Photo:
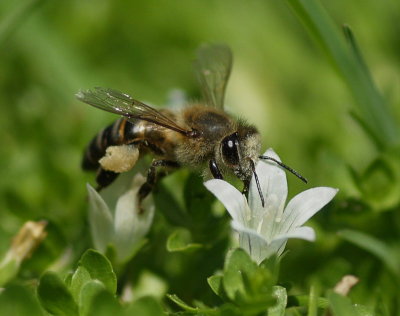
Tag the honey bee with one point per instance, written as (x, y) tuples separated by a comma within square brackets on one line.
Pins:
[(199, 136)]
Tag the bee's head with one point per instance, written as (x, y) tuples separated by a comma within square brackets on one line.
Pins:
[(240, 153), (240, 150)]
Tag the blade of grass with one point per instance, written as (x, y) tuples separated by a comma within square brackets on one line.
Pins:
[(347, 60)]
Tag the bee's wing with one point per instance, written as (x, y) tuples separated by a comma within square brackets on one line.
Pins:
[(120, 103), (213, 66)]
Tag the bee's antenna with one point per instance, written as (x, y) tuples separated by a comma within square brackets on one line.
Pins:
[(298, 175), (257, 182)]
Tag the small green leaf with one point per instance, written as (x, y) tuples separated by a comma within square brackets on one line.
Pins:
[(68, 278), (279, 308), (99, 268), (79, 279), (145, 306), (180, 240), (88, 292), (181, 303), (55, 297), (19, 301), (216, 284), (238, 263), (104, 304)]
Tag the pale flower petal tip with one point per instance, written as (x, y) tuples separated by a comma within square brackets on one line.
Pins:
[(233, 200), (271, 153)]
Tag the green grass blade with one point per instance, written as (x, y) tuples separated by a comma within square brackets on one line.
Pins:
[(371, 105)]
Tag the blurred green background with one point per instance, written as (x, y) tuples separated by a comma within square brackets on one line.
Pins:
[(281, 81)]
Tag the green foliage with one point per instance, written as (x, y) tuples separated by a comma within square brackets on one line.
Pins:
[(55, 296), (19, 301), (345, 136)]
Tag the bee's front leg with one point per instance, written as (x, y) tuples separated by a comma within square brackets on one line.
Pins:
[(216, 173), (153, 177)]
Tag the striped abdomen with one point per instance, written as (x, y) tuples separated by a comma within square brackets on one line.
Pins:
[(118, 133)]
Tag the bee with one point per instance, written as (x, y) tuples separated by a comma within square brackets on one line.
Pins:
[(199, 136)]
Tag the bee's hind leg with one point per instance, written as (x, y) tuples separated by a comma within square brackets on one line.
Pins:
[(104, 178), (153, 177)]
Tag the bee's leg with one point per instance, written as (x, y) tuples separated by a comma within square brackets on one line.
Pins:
[(153, 177), (216, 173), (104, 178)]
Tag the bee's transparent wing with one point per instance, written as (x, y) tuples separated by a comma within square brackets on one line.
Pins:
[(213, 67), (120, 103)]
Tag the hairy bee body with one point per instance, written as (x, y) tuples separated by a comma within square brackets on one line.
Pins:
[(211, 124), (199, 136)]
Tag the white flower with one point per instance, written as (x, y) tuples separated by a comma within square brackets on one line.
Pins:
[(124, 230), (264, 231)]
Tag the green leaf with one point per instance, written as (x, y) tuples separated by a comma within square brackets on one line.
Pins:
[(104, 304), (272, 264), (55, 297), (181, 240), (279, 308), (99, 268), (237, 264), (89, 291), (182, 304), (216, 284), (79, 279), (372, 107), (145, 306), (17, 300), (375, 247), (342, 306)]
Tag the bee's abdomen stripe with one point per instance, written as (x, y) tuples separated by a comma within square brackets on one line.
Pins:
[(96, 149)]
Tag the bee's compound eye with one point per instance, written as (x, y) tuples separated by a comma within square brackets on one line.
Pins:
[(230, 149)]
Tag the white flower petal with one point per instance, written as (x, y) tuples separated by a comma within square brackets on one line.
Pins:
[(304, 205), (274, 188), (253, 243), (131, 225), (233, 200), (304, 232), (100, 220)]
